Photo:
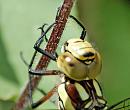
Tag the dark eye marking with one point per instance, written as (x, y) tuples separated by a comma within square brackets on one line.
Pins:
[(71, 64), (88, 54), (64, 56)]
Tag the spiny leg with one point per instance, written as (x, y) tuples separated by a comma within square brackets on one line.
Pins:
[(51, 56), (22, 58), (42, 31), (40, 40), (44, 98), (32, 60), (30, 76), (48, 95), (38, 49), (113, 107), (44, 72), (31, 63), (44, 93), (34, 55), (57, 14), (83, 34), (41, 91)]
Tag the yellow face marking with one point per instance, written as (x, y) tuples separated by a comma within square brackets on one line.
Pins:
[(88, 62), (80, 49)]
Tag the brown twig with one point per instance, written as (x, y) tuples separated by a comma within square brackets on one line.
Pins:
[(44, 61)]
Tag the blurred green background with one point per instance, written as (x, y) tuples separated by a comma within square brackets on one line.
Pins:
[(107, 24)]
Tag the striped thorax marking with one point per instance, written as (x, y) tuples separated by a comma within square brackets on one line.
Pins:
[(80, 95)]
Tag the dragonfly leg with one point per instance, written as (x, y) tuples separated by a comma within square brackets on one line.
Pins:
[(83, 34), (44, 98)]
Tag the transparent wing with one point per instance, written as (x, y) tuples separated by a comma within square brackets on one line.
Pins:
[(121, 105)]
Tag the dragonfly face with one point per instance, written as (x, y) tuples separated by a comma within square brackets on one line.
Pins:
[(79, 60)]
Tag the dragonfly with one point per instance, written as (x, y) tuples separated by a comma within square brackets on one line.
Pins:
[(79, 63)]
